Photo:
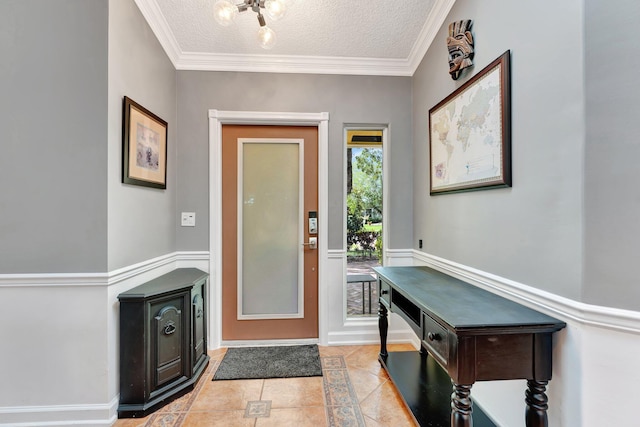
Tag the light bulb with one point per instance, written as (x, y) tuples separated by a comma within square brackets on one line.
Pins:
[(225, 12), (266, 37), (276, 9)]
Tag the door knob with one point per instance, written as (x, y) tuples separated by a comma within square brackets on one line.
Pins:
[(313, 243)]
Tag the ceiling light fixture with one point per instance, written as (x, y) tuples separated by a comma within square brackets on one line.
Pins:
[(225, 12)]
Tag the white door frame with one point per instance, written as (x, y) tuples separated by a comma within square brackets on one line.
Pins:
[(217, 118)]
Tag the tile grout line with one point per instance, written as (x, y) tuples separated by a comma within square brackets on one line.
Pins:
[(255, 420), (385, 380), (207, 376)]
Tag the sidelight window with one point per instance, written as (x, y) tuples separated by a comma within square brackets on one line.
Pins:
[(364, 217)]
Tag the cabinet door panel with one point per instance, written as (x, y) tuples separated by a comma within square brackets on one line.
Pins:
[(198, 328), (168, 342)]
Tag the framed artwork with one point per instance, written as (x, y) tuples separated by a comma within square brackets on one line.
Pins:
[(470, 133), (144, 147)]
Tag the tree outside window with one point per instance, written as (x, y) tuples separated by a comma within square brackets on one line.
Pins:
[(364, 202)]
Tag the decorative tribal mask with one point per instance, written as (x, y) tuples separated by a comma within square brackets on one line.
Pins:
[(460, 46)]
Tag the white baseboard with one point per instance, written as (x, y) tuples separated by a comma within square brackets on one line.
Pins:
[(369, 337), (60, 415)]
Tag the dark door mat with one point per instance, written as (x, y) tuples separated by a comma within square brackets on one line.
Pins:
[(269, 362)]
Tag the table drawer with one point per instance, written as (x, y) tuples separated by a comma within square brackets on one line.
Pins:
[(436, 338), (385, 292)]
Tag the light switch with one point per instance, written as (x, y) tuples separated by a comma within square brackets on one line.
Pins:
[(188, 219)]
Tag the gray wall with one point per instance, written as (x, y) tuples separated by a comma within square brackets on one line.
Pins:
[(348, 99), (612, 194), (533, 232), (142, 220), (53, 132)]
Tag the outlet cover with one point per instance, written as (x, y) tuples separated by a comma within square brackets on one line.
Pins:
[(188, 219)]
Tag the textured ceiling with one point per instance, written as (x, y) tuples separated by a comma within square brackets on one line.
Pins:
[(315, 36)]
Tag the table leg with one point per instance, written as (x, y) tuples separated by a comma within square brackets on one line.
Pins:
[(536, 412), (461, 406), (383, 326)]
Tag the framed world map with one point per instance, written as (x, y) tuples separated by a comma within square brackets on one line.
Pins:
[(470, 133)]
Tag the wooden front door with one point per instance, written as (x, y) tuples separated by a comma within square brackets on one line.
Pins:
[(269, 269)]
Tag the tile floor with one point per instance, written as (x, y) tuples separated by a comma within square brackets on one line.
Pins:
[(353, 391)]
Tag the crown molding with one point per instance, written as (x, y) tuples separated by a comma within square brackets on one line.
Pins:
[(439, 13), (160, 27), (292, 64), (198, 61)]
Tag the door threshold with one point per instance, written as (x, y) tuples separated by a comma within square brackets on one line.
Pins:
[(268, 343)]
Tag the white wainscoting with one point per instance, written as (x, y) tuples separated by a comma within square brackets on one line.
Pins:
[(61, 355), (62, 321), (358, 331), (595, 356)]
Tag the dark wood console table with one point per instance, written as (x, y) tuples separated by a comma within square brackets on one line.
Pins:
[(467, 335)]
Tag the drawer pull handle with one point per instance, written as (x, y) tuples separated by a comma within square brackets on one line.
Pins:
[(169, 328), (385, 291), (434, 337)]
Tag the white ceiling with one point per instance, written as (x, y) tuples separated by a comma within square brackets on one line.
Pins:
[(370, 37)]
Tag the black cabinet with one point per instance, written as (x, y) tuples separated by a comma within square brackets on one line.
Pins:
[(163, 344)]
